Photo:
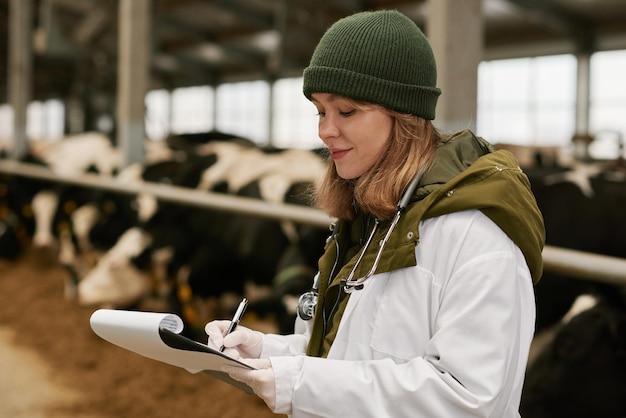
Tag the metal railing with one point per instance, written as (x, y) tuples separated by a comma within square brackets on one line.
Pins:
[(183, 195), (583, 265), (578, 264)]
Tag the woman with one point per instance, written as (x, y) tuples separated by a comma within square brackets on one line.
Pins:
[(432, 314)]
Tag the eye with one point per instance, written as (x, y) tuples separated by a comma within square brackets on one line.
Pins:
[(347, 113)]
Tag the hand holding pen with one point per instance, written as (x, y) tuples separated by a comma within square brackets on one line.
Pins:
[(245, 342), (236, 318)]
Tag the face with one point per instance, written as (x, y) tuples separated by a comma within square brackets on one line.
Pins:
[(356, 138)]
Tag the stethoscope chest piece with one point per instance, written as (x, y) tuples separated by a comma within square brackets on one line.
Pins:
[(308, 300), (306, 305)]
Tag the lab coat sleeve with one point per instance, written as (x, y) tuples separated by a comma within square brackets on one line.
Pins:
[(472, 366)]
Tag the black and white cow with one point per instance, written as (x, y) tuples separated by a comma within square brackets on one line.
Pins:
[(582, 210), (38, 201), (22, 200), (122, 276), (39, 210), (118, 249), (204, 253), (16, 224), (579, 373), (76, 223), (581, 204), (48, 207)]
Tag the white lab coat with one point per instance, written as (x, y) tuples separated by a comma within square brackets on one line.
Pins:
[(446, 338)]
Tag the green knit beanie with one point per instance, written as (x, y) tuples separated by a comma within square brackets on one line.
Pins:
[(379, 57)]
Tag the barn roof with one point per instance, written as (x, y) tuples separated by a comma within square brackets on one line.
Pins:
[(208, 42)]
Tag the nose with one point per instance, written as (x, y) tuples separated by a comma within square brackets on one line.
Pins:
[(327, 128)]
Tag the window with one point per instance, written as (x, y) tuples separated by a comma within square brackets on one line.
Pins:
[(608, 103), (527, 101), (295, 120), (157, 119), (243, 109), (192, 110)]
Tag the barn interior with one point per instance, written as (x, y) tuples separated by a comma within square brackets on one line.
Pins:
[(99, 61)]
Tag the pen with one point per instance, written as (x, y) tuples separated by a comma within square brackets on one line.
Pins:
[(236, 318)]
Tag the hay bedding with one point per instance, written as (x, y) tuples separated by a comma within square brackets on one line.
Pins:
[(77, 374)]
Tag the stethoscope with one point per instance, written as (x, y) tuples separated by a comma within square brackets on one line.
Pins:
[(308, 300)]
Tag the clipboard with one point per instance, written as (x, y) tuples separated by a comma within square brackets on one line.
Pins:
[(157, 336)]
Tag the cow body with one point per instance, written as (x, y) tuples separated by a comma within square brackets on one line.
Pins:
[(583, 210), (580, 373), (200, 255)]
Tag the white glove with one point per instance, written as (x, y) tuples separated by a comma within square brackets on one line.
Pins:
[(261, 381), (242, 342)]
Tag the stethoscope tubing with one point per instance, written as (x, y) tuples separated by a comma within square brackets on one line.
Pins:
[(307, 301)]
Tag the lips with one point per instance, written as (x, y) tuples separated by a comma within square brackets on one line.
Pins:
[(338, 154)]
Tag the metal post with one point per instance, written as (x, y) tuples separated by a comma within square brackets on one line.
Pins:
[(20, 70), (134, 76)]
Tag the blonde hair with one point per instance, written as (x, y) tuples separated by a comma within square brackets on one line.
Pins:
[(412, 145)]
